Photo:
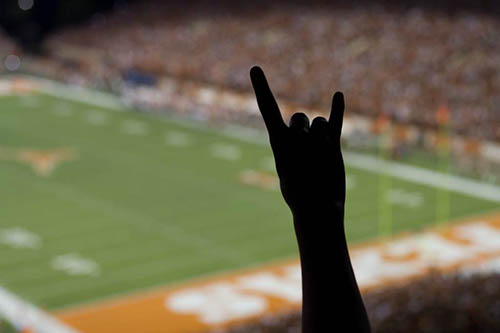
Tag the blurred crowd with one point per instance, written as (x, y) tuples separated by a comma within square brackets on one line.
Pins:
[(404, 63), (7, 47), (454, 304)]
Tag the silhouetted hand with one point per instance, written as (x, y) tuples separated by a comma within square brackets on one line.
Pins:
[(308, 157), (312, 179)]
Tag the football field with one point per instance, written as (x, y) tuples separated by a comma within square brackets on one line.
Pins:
[(100, 201)]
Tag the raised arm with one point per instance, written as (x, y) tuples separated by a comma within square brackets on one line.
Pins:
[(312, 179)]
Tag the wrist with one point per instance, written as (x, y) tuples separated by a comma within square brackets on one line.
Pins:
[(321, 233)]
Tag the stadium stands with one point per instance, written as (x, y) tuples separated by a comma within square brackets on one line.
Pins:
[(5, 42), (404, 63), (7, 46)]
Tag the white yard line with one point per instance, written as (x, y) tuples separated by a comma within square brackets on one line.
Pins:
[(26, 316), (78, 94), (423, 176), (418, 175)]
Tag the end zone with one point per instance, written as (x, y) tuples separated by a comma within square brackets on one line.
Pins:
[(468, 246)]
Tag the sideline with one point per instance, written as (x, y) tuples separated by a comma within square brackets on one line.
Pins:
[(28, 317), (423, 176)]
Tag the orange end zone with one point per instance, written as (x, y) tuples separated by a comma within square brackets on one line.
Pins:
[(229, 299)]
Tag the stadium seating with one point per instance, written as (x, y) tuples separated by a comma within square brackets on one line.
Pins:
[(404, 63)]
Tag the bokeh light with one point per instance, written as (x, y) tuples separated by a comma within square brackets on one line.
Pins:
[(25, 4), (12, 62)]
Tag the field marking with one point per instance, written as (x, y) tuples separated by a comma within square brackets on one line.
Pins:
[(423, 176), (97, 118), (134, 127), (229, 152), (27, 317), (19, 238), (76, 94), (43, 162), (216, 304), (178, 139), (74, 264), (262, 180)]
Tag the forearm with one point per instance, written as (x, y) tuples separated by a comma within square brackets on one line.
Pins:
[(312, 175), (330, 292)]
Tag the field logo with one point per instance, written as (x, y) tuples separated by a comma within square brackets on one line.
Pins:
[(43, 162), (263, 180)]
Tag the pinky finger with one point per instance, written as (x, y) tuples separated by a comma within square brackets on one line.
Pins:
[(337, 114)]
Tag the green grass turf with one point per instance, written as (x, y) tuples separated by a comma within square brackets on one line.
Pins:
[(6, 327), (148, 213)]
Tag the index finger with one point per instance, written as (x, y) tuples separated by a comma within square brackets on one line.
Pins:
[(266, 102)]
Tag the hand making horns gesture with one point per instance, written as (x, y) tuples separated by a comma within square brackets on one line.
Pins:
[(308, 157), (312, 179)]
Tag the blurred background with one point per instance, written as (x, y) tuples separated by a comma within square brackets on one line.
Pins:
[(133, 155)]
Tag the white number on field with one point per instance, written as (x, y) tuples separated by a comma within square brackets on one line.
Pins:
[(19, 238), (74, 264)]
